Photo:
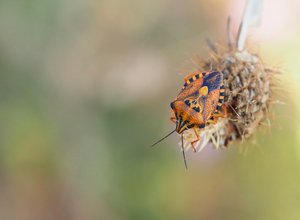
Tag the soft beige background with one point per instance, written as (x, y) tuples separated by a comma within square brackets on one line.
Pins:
[(85, 87)]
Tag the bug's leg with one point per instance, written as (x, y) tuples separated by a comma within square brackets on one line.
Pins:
[(195, 141), (222, 114), (225, 113), (218, 115), (173, 118), (212, 120)]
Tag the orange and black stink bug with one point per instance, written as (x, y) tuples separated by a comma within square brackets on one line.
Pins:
[(199, 103)]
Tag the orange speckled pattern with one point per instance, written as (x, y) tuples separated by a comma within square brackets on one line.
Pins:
[(192, 109)]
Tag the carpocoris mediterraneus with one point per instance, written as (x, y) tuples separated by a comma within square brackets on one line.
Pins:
[(199, 103)]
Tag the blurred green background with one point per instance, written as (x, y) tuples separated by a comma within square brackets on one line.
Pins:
[(85, 88)]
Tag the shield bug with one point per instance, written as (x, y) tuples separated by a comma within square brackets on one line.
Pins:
[(199, 103)]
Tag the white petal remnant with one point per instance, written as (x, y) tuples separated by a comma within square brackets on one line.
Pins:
[(252, 17)]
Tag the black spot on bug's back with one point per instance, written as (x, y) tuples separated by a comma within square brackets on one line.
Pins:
[(194, 102), (187, 102), (197, 109)]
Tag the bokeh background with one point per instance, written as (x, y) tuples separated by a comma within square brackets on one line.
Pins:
[(85, 87)]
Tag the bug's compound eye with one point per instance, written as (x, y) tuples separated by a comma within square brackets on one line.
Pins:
[(172, 105)]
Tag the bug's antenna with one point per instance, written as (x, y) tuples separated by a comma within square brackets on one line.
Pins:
[(183, 153), (163, 138)]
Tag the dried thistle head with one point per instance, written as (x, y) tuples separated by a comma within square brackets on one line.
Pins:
[(248, 91)]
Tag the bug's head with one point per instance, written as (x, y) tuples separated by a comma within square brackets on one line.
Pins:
[(185, 116), (190, 111)]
